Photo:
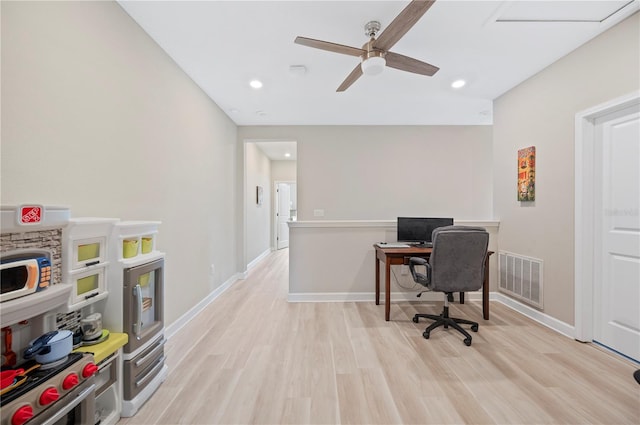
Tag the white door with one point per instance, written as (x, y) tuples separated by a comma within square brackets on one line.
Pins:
[(282, 215), (617, 232)]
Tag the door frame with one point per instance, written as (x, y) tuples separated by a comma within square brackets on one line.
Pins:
[(585, 156), (275, 210)]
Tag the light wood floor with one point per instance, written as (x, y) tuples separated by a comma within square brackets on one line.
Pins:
[(254, 358)]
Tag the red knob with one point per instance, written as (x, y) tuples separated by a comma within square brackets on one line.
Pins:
[(89, 370), (22, 415), (70, 381), (48, 396)]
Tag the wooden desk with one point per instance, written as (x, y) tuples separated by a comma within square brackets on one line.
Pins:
[(398, 256)]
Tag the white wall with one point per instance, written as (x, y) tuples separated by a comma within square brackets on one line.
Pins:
[(541, 112), (258, 173), (97, 117)]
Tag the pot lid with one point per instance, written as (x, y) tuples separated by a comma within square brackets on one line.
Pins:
[(62, 334)]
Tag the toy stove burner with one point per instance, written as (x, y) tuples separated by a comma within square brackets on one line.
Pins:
[(52, 365), (39, 376), (51, 388)]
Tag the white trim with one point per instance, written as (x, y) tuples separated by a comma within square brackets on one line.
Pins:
[(379, 223), (584, 214), (533, 314), (276, 209), (172, 329), (259, 258)]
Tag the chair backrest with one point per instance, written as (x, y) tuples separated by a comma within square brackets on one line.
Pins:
[(458, 257)]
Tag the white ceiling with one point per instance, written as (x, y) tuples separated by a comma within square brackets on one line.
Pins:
[(279, 150), (494, 45)]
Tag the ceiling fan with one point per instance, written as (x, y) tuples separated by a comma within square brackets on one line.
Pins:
[(375, 53)]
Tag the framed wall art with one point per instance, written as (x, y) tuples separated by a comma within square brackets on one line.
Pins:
[(527, 174)]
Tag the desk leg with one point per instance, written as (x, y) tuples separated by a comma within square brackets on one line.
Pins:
[(485, 291), (461, 297), (377, 280), (387, 289)]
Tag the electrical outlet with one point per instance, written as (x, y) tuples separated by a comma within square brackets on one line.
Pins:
[(212, 270), (318, 213), (404, 270)]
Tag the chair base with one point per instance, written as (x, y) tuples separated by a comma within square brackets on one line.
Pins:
[(446, 321)]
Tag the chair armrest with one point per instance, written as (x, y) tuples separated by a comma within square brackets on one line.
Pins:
[(422, 279)]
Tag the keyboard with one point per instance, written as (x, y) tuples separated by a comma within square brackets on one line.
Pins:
[(392, 245)]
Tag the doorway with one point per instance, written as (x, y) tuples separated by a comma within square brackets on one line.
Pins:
[(285, 211), (264, 162), (607, 209)]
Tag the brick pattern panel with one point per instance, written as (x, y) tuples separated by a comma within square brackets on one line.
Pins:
[(50, 240)]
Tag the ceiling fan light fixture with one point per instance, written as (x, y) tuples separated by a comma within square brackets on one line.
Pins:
[(373, 65)]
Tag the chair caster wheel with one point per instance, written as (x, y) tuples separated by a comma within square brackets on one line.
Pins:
[(425, 334), (467, 341), (415, 319), (474, 328)]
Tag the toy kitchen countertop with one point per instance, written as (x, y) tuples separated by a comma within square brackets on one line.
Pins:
[(104, 349)]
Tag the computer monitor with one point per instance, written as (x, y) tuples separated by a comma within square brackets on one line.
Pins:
[(419, 229)]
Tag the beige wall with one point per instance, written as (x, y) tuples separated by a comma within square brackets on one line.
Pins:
[(378, 173), (283, 171), (541, 112), (97, 117), (360, 173), (258, 173)]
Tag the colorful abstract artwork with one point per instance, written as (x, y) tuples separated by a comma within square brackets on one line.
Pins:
[(527, 174)]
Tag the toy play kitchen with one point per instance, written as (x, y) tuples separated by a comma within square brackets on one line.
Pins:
[(135, 306), (62, 362)]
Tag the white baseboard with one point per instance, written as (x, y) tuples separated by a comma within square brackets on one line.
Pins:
[(259, 258), (193, 312), (189, 315), (531, 313)]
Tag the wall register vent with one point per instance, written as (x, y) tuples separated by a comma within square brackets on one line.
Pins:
[(521, 277)]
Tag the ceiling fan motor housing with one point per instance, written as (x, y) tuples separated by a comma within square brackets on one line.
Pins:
[(371, 28)]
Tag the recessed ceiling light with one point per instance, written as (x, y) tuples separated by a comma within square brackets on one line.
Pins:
[(234, 110), (458, 84), (261, 113), (256, 84), (287, 155)]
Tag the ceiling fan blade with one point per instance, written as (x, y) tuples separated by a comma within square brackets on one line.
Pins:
[(332, 47), (405, 63), (351, 78), (402, 23)]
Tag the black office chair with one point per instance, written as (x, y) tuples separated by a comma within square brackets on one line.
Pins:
[(456, 264)]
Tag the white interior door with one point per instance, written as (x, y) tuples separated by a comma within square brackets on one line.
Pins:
[(282, 215), (617, 232)]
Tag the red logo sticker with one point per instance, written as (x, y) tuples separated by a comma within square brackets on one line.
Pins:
[(30, 214)]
